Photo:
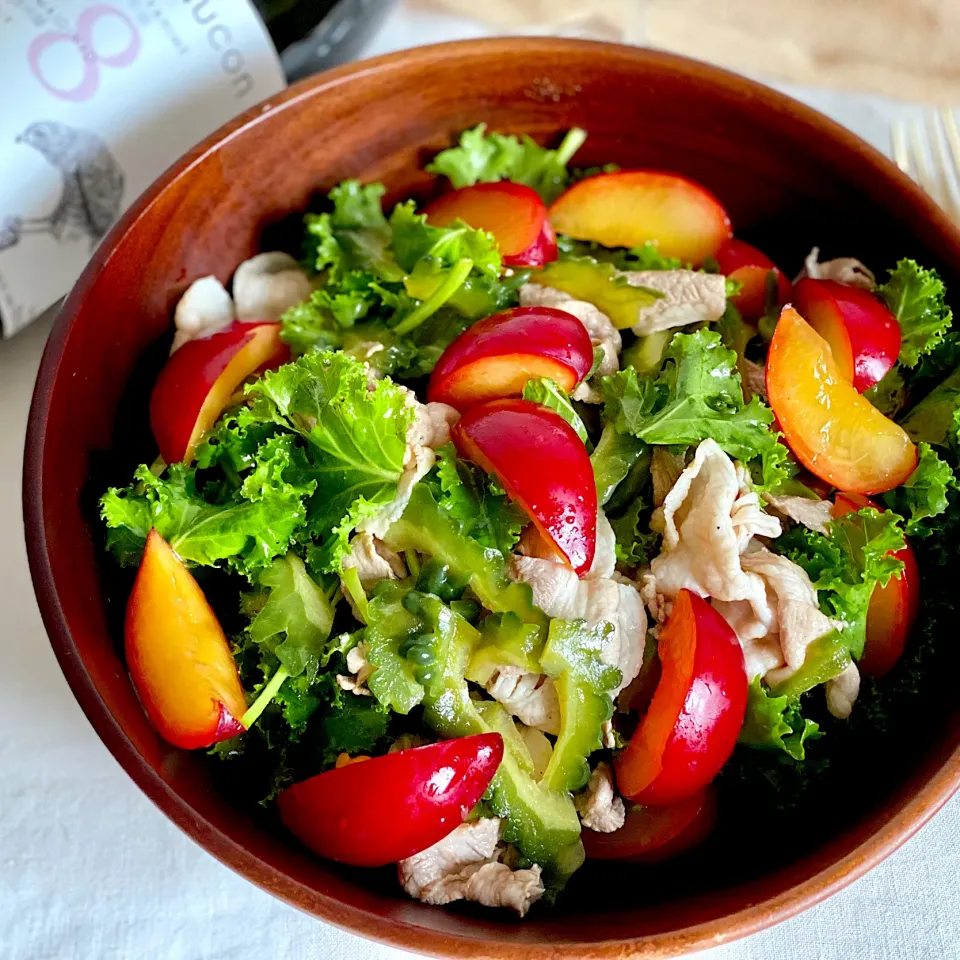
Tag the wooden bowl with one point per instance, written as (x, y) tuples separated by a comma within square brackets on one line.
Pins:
[(789, 177)]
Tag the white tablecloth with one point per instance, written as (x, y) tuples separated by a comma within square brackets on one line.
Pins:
[(90, 870)]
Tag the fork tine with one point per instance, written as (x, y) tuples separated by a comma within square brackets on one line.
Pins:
[(952, 132), (943, 193), (898, 137), (920, 149), (951, 170), (921, 160)]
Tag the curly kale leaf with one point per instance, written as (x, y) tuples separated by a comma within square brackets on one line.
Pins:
[(846, 565), (697, 395), (915, 296), (482, 157)]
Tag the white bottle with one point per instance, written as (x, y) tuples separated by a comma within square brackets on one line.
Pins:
[(96, 100)]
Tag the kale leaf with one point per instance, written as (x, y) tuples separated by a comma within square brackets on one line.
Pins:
[(697, 395), (294, 619), (466, 495), (915, 296), (545, 391), (246, 530), (482, 157), (923, 495), (776, 723), (846, 565), (356, 440)]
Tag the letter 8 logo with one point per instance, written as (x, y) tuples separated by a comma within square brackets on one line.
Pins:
[(83, 39)]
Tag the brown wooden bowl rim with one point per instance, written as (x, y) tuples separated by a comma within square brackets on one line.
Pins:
[(897, 828)]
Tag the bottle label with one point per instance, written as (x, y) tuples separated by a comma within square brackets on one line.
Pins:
[(96, 101)]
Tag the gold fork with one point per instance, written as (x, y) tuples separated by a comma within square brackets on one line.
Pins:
[(929, 151)]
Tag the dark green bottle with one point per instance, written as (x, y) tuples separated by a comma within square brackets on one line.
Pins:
[(311, 35)]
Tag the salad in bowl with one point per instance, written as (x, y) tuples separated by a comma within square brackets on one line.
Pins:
[(492, 536)]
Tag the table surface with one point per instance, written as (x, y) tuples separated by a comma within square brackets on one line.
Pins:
[(91, 870)]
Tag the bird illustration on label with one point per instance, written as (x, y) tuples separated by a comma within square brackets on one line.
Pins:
[(92, 186)]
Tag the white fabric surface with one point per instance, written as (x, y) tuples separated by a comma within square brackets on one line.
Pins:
[(91, 870)]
